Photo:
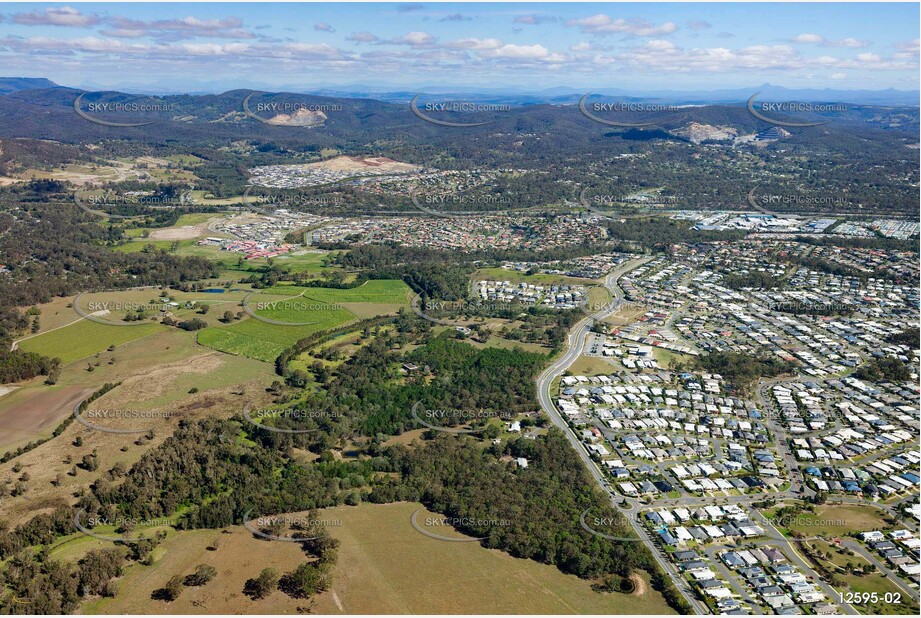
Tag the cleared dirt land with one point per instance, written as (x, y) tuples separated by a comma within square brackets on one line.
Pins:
[(33, 412), (384, 567), (184, 232), (348, 164)]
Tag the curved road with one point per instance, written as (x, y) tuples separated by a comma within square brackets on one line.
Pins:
[(576, 342)]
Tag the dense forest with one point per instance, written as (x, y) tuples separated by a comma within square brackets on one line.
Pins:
[(370, 396)]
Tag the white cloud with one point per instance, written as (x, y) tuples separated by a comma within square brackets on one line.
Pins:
[(177, 29), (530, 53), (849, 42), (660, 45), (605, 24), (534, 19), (414, 39), (362, 37), (476, 44), (808, 38), (817, 39), (63, 16), (908, 50)]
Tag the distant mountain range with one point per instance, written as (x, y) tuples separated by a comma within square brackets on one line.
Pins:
[(32, 109), (15, 84), (564, 95), (557, 95)]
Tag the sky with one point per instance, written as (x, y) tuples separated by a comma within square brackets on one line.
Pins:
[(212, 47)]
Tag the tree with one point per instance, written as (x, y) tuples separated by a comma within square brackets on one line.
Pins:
[(203, 574), (262, 586), (171, 591), (90, 462), (193, 324), (886, 368), (305, 581)]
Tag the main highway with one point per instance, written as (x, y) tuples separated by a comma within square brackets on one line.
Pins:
[(576, 342)]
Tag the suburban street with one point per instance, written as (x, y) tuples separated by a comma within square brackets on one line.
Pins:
[(576, 343), (798, 490)]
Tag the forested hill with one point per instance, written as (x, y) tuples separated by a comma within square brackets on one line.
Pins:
[(48, 113), (15, 84)]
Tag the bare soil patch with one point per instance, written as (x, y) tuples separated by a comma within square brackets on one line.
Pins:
[(33, 412)]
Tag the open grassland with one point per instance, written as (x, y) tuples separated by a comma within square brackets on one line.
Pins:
[(298, 309), (407, 574), (624, 316), (591, 366), (832, 520), (84, 338), (255, 339), (188, 227), (63, 334), (384, 567), (167, 346), (117, 170), (495, 340), (310, 261), (881, 585), (195, 218), (386, 291), (346, 346), (510, 344), (503, 274), (54, 314), (598, 296), (667, 358), (141, 244), (164, 386), (120, 303), (325, 307)]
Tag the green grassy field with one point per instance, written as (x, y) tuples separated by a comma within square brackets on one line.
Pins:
[(386, 291), (310, 262), (502, 274), (667, 358), (136, 246), (881, 585), (184, 159), (258, 340), (263, 341), (297, 309), (86, 338)]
